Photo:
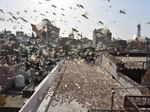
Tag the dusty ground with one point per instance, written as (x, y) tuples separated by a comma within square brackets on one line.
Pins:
[(85, 86)]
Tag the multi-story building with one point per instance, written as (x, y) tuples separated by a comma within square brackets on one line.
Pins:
[(101, 37), (46, 31)]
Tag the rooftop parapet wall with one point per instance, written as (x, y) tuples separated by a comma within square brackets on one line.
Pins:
[(34, 102)]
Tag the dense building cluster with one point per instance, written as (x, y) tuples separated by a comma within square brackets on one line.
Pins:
[(32, 57)]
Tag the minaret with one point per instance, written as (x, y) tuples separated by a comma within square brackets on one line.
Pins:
[(138, 30)]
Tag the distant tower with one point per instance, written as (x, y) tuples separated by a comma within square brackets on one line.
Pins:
[(94, 38), (138, 30)]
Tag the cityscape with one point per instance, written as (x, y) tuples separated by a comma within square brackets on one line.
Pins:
[(46, 69)]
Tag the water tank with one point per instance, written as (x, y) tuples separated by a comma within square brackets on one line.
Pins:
[(20, 81)]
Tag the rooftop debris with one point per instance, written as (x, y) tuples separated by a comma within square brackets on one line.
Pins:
[(87, 85)]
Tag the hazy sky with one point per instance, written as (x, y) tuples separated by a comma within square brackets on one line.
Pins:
[(123, 26)]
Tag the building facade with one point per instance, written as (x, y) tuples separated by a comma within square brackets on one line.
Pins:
[(101, 37), (46, 31)]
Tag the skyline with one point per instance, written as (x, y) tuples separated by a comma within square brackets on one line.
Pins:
[(123, 26)]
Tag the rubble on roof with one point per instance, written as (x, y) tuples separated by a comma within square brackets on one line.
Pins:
[(87, 85)]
